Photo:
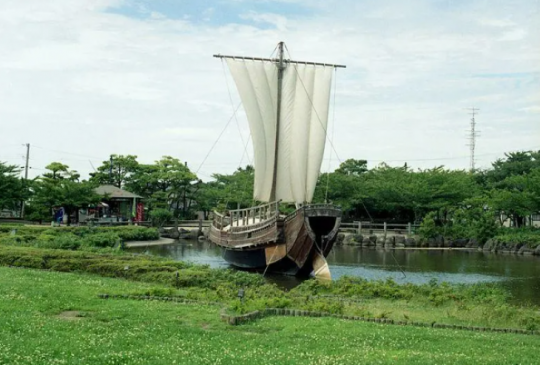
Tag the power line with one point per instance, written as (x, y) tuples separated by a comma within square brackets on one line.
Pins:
[(67, 152)]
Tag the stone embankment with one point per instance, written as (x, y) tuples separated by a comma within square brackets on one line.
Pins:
[(391, 241)]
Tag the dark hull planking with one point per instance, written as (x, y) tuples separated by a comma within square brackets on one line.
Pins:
[(302, 235)]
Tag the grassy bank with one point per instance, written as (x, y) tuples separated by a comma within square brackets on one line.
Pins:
[(73, 238), (56, 318), (474, 305)]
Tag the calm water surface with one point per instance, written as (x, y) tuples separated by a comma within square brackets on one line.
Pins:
[(520, 274)]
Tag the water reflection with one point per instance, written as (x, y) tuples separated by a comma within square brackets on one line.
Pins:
[(520, 274)]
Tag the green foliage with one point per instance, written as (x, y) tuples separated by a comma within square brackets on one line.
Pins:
[(160, 216), (227, 191), (514, 185), (12, 189), (67, 241), (428, 227), (167, 184), (133, 233), (352, 167), (60, 188), (59, 171), (74, 238), (117, 174), (106, 239), (396, 192), (482, 304), (523, 236), (461, 224), (109, 331)]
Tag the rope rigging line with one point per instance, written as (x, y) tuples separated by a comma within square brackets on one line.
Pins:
[(367, 211), (271, 258), (397, 263), (218, 138), (246, 153), (235, 116)]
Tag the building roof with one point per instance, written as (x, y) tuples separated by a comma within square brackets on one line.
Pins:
[(114, 192)]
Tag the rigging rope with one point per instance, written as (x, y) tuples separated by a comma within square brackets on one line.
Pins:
[(397, 263), (218, 138), (235, 116), (271, 258)]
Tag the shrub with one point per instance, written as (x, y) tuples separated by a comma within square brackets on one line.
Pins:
[(428, 227), (160, 216), (136, 233), (67, 241), (108, 239), (519, 236)]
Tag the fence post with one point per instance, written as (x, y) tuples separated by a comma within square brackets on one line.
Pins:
[(384, 228), (359, 227), (409, 228)]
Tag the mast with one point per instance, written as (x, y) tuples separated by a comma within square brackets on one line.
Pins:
[(281, 68)]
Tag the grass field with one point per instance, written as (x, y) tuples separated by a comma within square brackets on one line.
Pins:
[(56, 318)]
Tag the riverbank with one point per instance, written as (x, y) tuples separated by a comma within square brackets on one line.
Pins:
[(485, 305), (62, 320), (392, 241), (159, 242)]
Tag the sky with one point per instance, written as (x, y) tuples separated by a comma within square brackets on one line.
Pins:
[(80, 80)]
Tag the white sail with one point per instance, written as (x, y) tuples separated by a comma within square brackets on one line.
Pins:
[(302, 130)]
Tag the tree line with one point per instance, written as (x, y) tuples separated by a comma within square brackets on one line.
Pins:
[(509, 189)]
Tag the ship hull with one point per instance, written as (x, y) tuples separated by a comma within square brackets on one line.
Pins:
[(299, 238)]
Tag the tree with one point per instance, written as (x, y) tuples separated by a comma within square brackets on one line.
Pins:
[(340, 189), (118, 173), (60, 171), (167, 184), (514, 163), (514, 185), (208, 197), (235, 190), (54, 191), (352, 167), (13, 190), (160, 216)]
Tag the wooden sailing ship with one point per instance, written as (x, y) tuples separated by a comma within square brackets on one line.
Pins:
[(286, 103)]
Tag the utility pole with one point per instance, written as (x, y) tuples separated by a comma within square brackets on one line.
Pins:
[(25, 174), (473, 133), (110, 170)]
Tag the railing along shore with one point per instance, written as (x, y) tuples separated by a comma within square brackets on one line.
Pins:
[(357, 227)]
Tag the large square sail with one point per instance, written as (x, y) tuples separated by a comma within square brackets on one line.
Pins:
[(303, 119)]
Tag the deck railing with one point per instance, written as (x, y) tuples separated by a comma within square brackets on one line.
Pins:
[(244, 219)]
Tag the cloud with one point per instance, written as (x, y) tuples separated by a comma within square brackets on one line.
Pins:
[(91, 78)]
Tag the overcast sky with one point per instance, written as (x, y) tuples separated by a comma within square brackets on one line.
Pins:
[(82, 79)]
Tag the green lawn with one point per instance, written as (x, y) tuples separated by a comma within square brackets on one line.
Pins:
[(147, 332)]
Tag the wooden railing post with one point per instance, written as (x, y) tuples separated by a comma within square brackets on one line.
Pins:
[(384, 228), (359, 227), (409, 228)]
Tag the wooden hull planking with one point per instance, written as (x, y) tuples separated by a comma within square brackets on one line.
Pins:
[(290, 246)]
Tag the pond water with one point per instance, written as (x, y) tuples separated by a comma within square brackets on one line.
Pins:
[(520, 274)]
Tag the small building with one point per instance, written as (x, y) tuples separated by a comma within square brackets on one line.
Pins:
[(118, 205)]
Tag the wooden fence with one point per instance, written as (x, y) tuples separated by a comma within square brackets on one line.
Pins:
[(385, 228), (353, 227)]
